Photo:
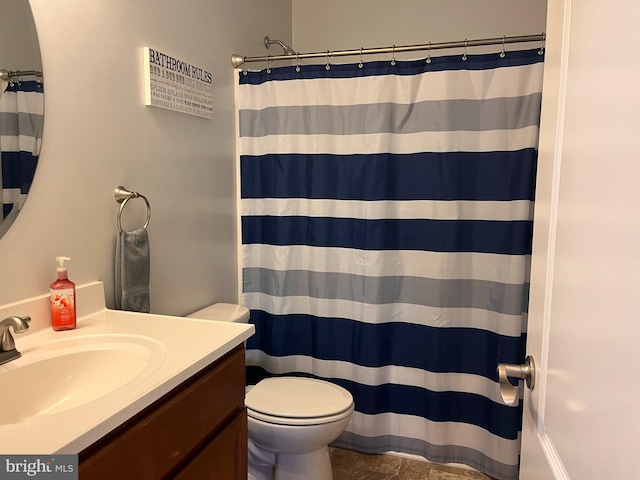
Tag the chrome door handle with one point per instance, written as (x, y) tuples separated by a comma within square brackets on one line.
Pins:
[(526, 371)]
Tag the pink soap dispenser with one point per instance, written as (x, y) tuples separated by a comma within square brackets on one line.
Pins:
[(63, 299)]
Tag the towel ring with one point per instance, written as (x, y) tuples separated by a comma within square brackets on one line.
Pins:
[(122, 196)]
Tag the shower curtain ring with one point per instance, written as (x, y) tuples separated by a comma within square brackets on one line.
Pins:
[(393, 56), (360, 65), (268, 64), (502, 53), (464, 55), (328, 66), (429, 54), (544, 37), (297, 62)]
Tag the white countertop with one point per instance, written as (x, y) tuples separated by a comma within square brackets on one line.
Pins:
[(183, 346)]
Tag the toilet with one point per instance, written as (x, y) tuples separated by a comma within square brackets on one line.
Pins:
[(291, 420)]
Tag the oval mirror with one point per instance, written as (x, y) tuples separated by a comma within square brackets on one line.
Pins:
[(21, 106)]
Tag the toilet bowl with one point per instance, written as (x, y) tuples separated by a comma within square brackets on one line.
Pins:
[(296, 418), (291, 420)]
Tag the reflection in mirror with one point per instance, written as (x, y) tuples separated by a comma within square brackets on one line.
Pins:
[(21, 106)]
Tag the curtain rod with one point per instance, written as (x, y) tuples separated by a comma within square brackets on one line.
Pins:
[(238, 60), (8, 74)]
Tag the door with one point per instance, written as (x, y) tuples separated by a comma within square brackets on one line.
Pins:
[(582, 419)]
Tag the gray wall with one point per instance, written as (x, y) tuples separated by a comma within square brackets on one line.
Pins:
[(351, 24), (98, 134), (18, 40)]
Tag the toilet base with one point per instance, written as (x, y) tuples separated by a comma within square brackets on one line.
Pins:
[(260, 473), (261, 462), (314, 465)]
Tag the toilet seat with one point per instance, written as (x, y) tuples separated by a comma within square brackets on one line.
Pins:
[(298, 401), (297, 422)]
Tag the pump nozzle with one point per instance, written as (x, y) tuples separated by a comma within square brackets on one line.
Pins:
[(61, 261)]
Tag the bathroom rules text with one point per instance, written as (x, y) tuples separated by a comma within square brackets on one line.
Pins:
[(177, 85)]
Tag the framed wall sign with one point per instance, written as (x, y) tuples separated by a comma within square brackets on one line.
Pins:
[(176, 84)]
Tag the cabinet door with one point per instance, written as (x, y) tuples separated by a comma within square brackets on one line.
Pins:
[(224, 458), (164, 436)]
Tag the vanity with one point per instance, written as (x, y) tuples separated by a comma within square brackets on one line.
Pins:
[(175, 437), (135, 395)]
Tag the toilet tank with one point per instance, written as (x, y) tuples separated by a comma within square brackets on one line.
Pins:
[(223, 312)]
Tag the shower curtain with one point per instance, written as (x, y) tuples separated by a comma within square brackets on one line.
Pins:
[(386, 215), (21, 119)]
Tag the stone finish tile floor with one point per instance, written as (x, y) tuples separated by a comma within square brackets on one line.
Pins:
[(348, 465)]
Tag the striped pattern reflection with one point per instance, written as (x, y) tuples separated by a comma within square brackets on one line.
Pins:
[(21, 121)]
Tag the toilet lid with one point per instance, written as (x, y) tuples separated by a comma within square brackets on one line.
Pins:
[(296, 397)]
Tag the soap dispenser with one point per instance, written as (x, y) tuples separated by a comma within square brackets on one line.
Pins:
[(63, 299)]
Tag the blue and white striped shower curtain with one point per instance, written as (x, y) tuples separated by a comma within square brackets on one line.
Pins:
[(386, 215), (21, 119)]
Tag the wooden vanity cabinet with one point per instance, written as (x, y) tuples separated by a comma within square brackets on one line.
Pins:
[(197, 431)]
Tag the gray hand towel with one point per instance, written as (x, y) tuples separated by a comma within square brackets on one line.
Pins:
[(132, 271)]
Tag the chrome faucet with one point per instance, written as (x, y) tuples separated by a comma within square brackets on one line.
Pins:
[(8, 350)]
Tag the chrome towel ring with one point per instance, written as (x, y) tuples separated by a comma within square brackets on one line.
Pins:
[(122, 196)]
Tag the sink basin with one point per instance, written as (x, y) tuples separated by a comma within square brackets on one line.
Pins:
[(68, 373)]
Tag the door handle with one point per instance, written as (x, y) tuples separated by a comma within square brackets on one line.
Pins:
[(526, 371)]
